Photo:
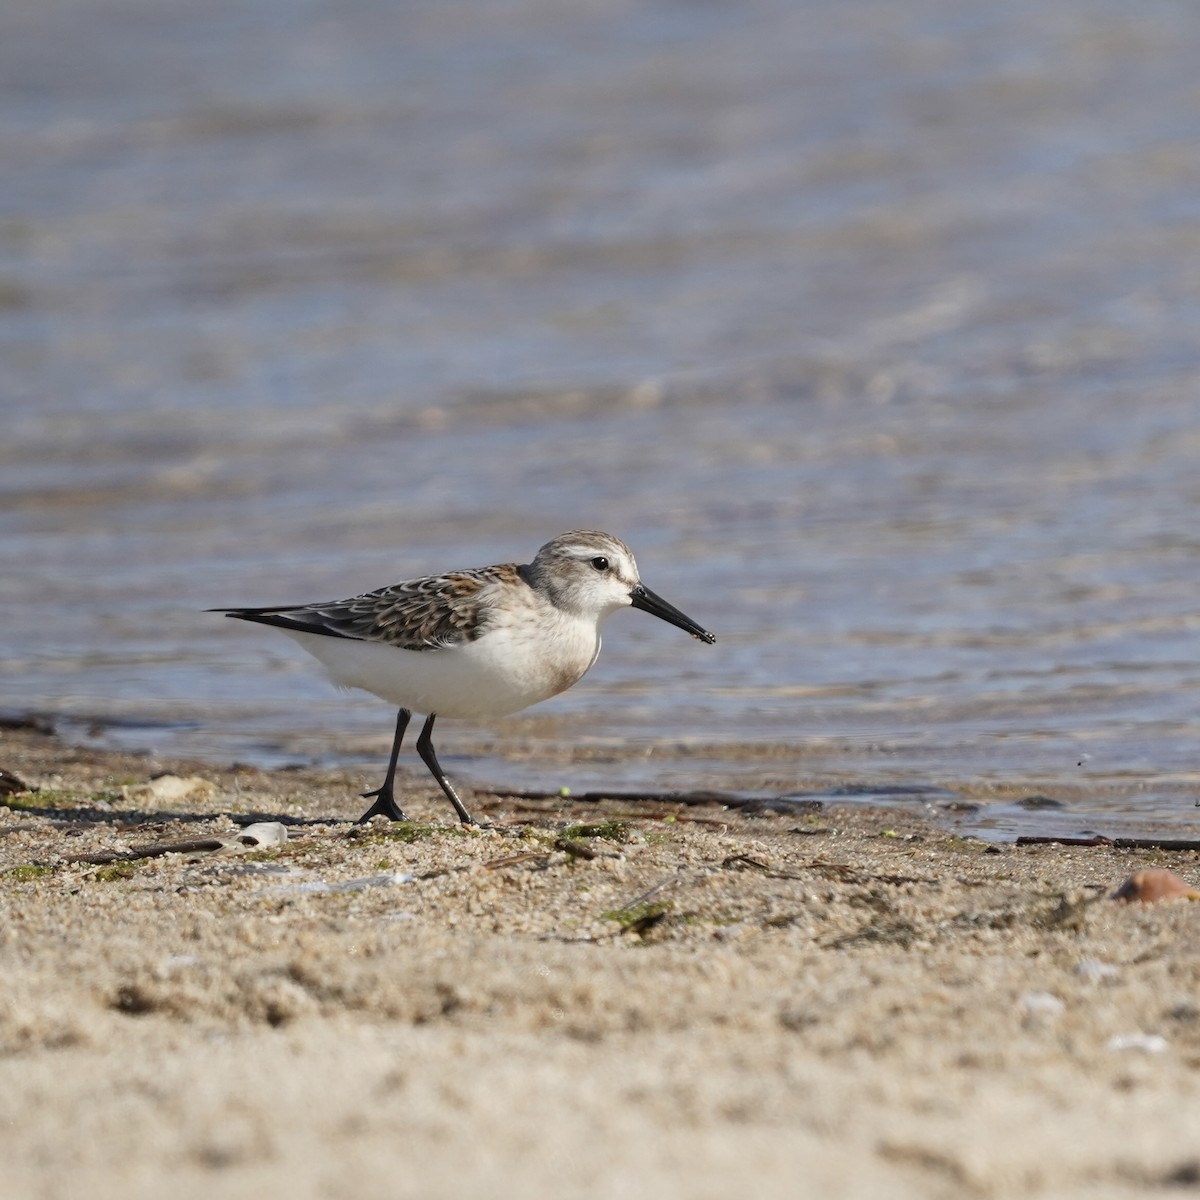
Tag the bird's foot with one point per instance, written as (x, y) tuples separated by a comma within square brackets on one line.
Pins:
[(465, 818), (385, 806)]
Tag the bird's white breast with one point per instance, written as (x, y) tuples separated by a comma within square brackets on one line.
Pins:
[(516, 663)]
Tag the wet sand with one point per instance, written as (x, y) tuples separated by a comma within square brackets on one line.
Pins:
[(583, 1000)]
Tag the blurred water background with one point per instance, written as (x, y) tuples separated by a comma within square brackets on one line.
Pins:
[(871, 326)]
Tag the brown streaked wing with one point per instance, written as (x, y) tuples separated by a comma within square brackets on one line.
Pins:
[(420, 614)]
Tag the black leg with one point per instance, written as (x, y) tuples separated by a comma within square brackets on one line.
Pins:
[(429, 758), (385, 799)]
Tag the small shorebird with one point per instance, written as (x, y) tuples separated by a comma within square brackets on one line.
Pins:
[(479, 643)]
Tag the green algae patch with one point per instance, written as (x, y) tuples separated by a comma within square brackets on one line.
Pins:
[(408, 832), (638, 918), (114, 872), (28, 871), (612, 831)]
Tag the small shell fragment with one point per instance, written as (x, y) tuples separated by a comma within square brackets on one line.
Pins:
[(1154, 884), (1143, 1043), (264, 833)]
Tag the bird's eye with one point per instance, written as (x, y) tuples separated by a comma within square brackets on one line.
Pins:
[(600, 563)]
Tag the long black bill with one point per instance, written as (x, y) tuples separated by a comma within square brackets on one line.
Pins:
[(642, 597)]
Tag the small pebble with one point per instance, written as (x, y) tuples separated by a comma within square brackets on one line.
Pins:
[(1095, 971), (1154, 884), (1041, 1004), (166, 789)]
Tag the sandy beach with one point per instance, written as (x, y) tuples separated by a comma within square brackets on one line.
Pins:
[(582, 1000)]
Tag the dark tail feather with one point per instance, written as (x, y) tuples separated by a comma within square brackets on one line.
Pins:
[(280, 618)]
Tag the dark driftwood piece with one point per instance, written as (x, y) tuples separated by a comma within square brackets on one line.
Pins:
[(155, 850), (1118, 843)]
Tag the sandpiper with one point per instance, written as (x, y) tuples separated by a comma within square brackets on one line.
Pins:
[(479, 643)]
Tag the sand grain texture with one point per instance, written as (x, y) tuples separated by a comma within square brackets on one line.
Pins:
[(844, 1003)]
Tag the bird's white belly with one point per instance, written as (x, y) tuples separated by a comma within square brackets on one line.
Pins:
[(500, 673)]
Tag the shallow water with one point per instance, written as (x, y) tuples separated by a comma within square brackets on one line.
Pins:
[(873, 330)]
